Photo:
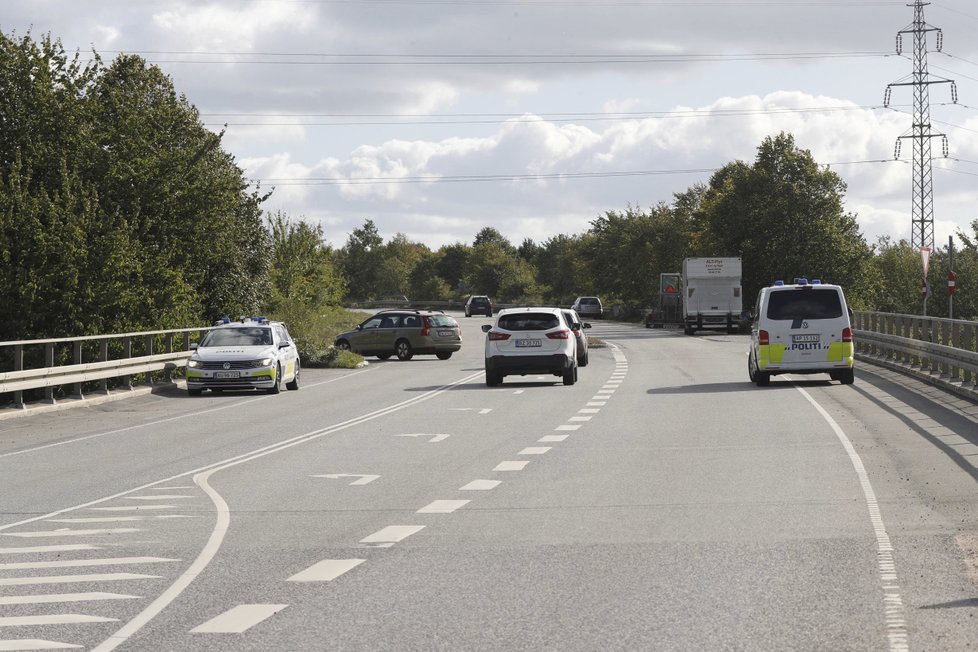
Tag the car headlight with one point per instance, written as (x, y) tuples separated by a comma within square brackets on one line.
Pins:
[(266, 362), (193, 362)]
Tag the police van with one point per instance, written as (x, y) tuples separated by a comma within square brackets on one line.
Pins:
[(803, 328)]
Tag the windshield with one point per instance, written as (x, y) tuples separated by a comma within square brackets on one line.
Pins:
[(256, 336)]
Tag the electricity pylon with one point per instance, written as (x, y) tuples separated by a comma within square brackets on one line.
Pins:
[(922, 232)]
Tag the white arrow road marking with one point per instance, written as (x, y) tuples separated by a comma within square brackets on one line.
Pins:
[(64, 597), (481, 485), (364, 479), (393, 534), (442, 507), (326, 570), (72, 563), (63, 579), (34, 549), (434, 438), (511, 466), (239, 619), (35, 644), (53, 619), (66, 532)]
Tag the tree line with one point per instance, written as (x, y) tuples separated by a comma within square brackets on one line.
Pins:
[(120, 211)]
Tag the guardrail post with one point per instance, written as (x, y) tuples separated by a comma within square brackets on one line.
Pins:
[(168, 374), (49, 362), (149, 351), (76, 357), (19, 366), (103, 356), (967, 342), (127, 353)]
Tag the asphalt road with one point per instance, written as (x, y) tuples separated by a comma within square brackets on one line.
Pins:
[(661, 503)]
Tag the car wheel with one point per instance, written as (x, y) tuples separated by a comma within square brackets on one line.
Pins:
[(493, 379), (194, 392), (343, 345), (403, 350), (443, 355), (570, 375), (583, 361), (847, 377), (277, 387), (383, 356), (762, 378), (294, 383)]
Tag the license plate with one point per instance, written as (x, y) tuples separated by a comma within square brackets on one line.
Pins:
[(227, 374), (806, 338), (445, 333), (522, 343)]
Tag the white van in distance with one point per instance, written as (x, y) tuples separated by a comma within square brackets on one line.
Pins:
[(803, 328)]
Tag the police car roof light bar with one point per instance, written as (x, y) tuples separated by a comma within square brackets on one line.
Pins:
[(778, 283)]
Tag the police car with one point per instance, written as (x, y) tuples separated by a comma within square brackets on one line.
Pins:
[(253, 353), (803, 328)]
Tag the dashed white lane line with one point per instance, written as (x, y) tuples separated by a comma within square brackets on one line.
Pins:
[(52, 619), (117, 519), (74, 563), (160, 497), (567, 427), (28, 550), (66, 579), (64, 597), (65, 532), (481, 485), (326, 570), (511, 466), (442, 506), (35, 644), (552, 438), (392, 534), (580, 419), (588, 410), (596, 403), (518, 391), (605, 391), (603, 397), (534, 450), (239, 619)]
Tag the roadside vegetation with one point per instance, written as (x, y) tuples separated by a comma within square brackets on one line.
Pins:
[(120, 211)]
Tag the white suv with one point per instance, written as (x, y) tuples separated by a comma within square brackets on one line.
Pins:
[(530, 341), (253, 353)]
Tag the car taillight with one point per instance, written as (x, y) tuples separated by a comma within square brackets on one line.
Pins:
[(763, 337), (559, 335), (426, 329), (846, 334), (496, 335)]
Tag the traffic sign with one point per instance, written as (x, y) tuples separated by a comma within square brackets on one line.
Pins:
[(951, 283)]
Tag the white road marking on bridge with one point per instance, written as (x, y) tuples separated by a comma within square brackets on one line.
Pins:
[(597, 403), (67, 579), (326, 570), (896, 623), (186, 486), (161, 497), (238, 619), (580, 419), (481, 485), (52, 619), (518, 391), (63, 597), (392, 534), (39, 549), (434, 437), (603, 397), (117, 519), (605, 391), (35, 644), (485, 410), (511, 466), (76, 563), (128, 508), (588, 411), (534, 450), (67, 532), (567, 427), (552, 438), (442, 506), (362, 478)]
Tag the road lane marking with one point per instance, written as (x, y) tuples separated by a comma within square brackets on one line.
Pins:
[(162, 497), (580, 419), (511, 466), (896, 623), (392, 534), (52, 619), (76, 563), (38, 549), (63, 597), (67, 532), (68, 579), (481, 485), (603, 397), (434, 437), (238, 619), (552, 438), (35, 644), (588, 410), (442, 506), (534, 450), (606, 391), (518, 391), (596, 403), (362, 478), (126, 508), (326, 570), (567, 427), (118, 519)]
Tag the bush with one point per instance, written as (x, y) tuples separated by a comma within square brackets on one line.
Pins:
[(314, 335)]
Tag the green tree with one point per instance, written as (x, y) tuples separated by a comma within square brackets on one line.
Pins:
[(361, 259), (451, 265)]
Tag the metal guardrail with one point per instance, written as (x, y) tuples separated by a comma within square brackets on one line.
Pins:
[(941, 351), (115, 359)]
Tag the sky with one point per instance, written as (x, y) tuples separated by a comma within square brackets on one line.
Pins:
[(437, 118)]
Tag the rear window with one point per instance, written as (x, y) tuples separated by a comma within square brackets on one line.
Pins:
[(589, 301), (441, 321), (480, 300), (809, 303), (529, 321)]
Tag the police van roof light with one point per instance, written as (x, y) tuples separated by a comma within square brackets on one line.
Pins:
[(801, 281), (778, 283), (816, 281)]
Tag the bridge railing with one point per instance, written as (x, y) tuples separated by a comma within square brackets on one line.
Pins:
[(941, 351), (39, 364)]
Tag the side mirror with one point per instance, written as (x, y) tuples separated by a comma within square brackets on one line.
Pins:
[(586, 325), (486, 328), (575, 327), (193, 346), (284, 344), (359, 327)]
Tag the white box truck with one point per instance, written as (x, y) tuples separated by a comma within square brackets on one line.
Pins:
[(711, 294)]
